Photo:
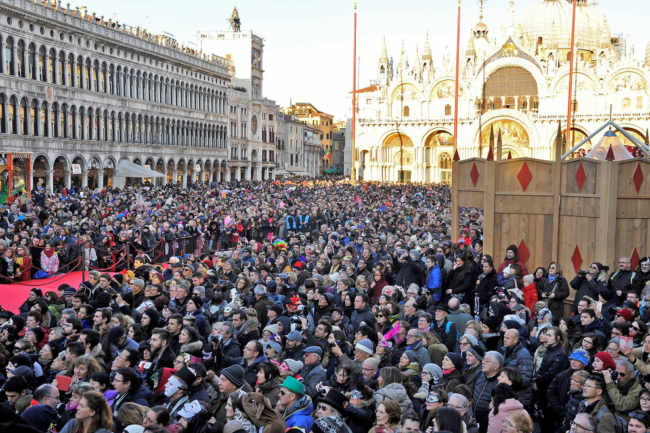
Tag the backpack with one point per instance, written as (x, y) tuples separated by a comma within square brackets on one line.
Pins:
[(621, 423)]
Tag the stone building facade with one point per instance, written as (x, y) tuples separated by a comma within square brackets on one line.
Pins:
[(514, 85), (82, 93)]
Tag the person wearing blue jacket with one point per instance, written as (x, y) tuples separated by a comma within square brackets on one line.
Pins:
[(434, 277), (297, 406)]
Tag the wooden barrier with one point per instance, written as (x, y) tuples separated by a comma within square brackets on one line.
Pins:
[(573, 212)]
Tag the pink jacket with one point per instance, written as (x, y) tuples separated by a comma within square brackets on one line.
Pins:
[(495, 425)]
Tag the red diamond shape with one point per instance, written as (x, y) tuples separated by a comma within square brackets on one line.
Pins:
[(634, 258), (523, 252), (638, 177), (474, 174), (576, 259), (581, 176), (524, 176)]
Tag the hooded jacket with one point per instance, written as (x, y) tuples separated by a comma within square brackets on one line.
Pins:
[(299, 414), (394, 391)]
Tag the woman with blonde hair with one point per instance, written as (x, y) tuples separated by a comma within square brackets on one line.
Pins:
[(93, 415), (518, 422)]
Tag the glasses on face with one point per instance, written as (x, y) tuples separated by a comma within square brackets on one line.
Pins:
[(580, 426), (321, 407), (462, 343), (283, 392)]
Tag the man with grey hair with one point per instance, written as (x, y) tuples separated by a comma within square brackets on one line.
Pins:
[(43, 415), (461, 404), (584, 422), (485, 383), (626, 391), (414, 343)]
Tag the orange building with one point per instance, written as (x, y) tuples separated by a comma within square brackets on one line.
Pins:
[(324, 122)]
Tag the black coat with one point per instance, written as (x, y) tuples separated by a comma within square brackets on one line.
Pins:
[(486, 287), (558, 392), (554, 362), (560, 287), (460, 282)]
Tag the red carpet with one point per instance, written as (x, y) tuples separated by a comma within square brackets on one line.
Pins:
[(13, 295)]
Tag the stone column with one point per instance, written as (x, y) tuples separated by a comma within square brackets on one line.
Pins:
[(100, 178), (68, 177), (5, 124), (84, 178), (50, 180)]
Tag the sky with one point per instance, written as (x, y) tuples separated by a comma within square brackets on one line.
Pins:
[(308, 43)]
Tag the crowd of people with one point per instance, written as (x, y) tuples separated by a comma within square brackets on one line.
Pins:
[(300, 307)]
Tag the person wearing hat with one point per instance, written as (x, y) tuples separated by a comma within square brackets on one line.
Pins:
[(431, 376), (194, 307), (313, 372), (332, 404), (296, 407), (262, 303), (444, 328), (294, 347), (363, 350), (559, 391), (176, 390), (230, 379)]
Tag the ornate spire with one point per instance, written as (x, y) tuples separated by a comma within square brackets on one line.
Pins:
[(426, 54), (383, 58), (235, 21), (403, 61)]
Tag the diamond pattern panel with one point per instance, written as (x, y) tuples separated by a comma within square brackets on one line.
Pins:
[(524, 253), (576, 259), (474, 174), (581, 176), (524, 176), (637, 177), (634, 258)]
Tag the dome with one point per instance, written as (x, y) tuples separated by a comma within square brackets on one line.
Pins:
[(550, 20)]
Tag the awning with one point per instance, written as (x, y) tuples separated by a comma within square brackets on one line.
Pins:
[(128, 169)]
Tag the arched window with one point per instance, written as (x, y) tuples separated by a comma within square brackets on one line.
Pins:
[(3, 114), (24, 121), (87, 77), (96, 75), (61, 69), (51, 65), (43, 119), (448, 110), (9, 56), (11, 115), (20, 59), (78, 74), (31, 62), (54, 120), (64, 121), (69, 71), (406, 111)]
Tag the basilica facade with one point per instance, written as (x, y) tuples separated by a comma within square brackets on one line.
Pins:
[(513, 88)]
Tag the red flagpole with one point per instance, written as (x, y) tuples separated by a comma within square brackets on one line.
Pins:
[(573, 41), (354, 97), (457, 72)]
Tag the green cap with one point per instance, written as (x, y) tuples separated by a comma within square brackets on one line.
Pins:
[(293, 385)]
